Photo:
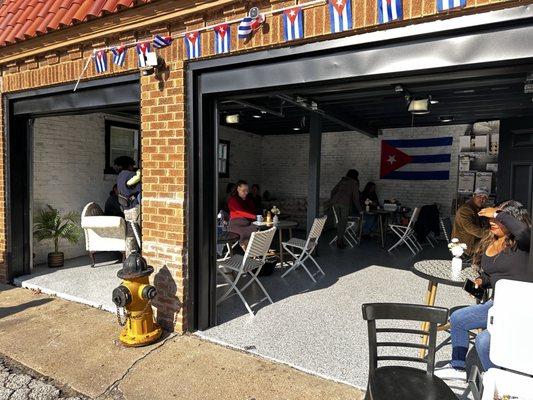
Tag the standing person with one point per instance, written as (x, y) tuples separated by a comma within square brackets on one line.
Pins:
[(242, 213), (504, 255), (468, 226), (112, 205), (256, 197), (129, 197), (343, 196)]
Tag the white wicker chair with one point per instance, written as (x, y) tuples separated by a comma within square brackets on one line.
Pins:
[(102, 232), (406, 234), (251, 264), (301, 250)]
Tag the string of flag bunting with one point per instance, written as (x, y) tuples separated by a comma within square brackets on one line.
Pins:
[(340, 14)]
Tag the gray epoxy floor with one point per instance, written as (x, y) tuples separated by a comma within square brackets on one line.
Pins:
[(77, 281), (319, 327)]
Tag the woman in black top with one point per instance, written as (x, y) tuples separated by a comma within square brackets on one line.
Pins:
[(504, 255)]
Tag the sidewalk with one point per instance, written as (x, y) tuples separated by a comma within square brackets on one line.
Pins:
[(77, 346)]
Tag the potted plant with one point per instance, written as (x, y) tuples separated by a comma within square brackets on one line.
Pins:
[(49, 224)]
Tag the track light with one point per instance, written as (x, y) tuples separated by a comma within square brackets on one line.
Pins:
[(232, 119), (419, 107)]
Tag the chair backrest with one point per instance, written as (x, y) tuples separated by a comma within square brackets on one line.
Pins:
[(316, 229), (414, 217), (92, 210), (335, 215), (404, 312), (259, 244), (446, 226)]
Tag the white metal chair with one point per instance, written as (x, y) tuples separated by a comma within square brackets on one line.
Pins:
[(350, 234), (251, 264), (446, 227), (406, 234), (301, 249)]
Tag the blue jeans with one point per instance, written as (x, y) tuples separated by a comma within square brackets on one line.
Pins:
[(463, 320), (483, 349)]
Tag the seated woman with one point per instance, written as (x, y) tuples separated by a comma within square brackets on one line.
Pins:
[(369, 197), (504, 255), (242, 213)]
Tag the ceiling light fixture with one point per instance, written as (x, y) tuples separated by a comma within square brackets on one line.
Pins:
[(256, 116), (464, 91), (419, 107), (295, 129), (446, 118), (232, 119), (398, 88), (432, 100)]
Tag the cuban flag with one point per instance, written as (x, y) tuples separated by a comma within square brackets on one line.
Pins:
[(389, 10), (416, 159), (249, 25), (119, 55), (340, 15), (445, 5), (100, 61), (162, 41), (293, 23), (222, 38), (142, 49), (193, 45)]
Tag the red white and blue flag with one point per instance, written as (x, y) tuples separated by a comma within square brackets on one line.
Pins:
[(162, 41), (340, 15), (119, 55), (389, 10), (100, 61), (249, 25), (222, 38), (193, 45), (142, 49), (293, 23), (445, 5), (416, 159)]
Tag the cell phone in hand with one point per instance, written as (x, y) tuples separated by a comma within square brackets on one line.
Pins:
[(471, 288)]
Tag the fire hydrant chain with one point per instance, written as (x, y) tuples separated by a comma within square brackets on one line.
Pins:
[(124, 316)]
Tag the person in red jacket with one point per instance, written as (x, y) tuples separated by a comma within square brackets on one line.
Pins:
[(242, 213)]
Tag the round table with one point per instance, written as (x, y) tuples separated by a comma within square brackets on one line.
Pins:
[(280, 226), (228, 237), (439, 271)]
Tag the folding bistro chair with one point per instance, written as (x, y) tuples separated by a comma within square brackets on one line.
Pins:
[(406, 234), (251, 263), (402, 382), (350, 234), (301, 249)]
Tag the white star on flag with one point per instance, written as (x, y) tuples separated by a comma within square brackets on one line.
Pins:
[(391, 160)]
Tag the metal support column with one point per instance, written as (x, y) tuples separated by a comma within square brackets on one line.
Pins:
[(313, 182)]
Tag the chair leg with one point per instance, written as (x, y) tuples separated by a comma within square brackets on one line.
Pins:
[(317, 265), (92, 257), (231, 283), (256, 279)]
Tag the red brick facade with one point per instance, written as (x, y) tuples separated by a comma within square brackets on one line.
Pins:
[(163, 116)]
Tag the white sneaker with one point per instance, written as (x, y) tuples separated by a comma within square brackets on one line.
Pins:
[(450, 373)]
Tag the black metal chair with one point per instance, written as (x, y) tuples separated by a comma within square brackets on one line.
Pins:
[(401, 382)]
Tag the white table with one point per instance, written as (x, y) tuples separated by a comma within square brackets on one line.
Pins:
[(280, 226)]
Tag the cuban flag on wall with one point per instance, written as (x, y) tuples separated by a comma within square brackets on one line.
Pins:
[(119, 55), (222, 38), (100, 61), (444, 5), (162, 41), (416, 159), (389, 10), (340, 15), (142, 49), (293, 23), (193, 45), (249, 25)]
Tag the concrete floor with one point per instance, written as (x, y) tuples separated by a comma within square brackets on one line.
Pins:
[(319, 327), (77, 281)]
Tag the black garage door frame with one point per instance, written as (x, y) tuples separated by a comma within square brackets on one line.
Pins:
[(462, 47), (19, 110)]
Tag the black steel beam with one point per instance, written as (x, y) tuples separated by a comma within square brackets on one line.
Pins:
[(313, 181)]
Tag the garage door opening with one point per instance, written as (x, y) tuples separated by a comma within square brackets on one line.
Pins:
[(63, 163)]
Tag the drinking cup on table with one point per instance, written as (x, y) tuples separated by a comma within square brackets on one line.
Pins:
[(259, 218)]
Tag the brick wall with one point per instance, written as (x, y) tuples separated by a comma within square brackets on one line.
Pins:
[(68, 170)]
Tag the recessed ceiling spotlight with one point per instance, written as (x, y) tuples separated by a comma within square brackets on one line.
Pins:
[(432, 100), (232, 119), (296, 129), (263, 112), (464, 91), (256, 116), (446, 118)]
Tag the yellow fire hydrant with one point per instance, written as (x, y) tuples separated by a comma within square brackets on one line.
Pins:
[(133, 300)]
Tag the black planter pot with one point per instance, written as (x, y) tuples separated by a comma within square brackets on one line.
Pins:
[(56, 260)]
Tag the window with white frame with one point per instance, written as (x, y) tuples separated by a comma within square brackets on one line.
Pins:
[(121, 139)]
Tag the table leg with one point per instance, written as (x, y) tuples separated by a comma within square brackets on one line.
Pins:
[(361, 223), (429, 300), (381, 232), (280, 247)]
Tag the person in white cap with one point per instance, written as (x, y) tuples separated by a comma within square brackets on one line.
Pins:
[(468, 226)]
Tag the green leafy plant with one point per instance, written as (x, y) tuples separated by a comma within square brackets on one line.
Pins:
[(49, 224)]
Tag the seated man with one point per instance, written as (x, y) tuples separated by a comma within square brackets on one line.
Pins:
[(468, 226)]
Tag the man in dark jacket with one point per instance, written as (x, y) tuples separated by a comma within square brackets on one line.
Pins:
[(343, 195), (468, 226)]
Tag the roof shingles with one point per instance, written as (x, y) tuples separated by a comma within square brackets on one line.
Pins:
[(24, 19)]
